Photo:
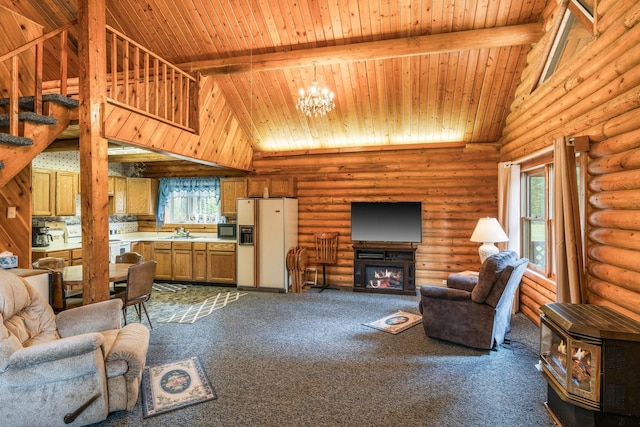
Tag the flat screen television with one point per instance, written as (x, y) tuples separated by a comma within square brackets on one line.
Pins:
[(398, 222)]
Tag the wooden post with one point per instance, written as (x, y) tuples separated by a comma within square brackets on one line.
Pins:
[(93, 150)]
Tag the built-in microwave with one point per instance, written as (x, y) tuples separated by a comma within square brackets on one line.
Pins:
[(227, 231)]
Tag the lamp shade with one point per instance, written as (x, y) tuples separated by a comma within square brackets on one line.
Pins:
[(488, 231)]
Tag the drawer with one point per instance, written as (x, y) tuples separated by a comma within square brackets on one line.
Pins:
[(162, 245), (200, 246), (59, 254), (181, 245), (76, 253), (225, 247)]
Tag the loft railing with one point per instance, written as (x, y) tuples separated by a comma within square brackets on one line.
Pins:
[(142, 81), (137, 79), (17, 64)]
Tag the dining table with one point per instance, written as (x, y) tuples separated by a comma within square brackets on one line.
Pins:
[(72, 274)]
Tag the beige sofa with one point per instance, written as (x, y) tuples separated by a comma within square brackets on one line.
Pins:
[(80, 362)]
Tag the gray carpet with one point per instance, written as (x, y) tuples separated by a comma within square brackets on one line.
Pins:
[(307, 359)]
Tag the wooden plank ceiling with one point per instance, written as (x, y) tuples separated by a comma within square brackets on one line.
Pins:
[(403, 71)]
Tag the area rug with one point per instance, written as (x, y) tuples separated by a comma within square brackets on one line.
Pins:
[(396, 322), (169, 287), (197, 311), (173, 386)]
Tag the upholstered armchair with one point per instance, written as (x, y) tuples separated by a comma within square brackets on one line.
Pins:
[(74, 367), (474, 311)]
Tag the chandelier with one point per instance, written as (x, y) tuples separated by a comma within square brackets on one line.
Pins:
[(316, 101)]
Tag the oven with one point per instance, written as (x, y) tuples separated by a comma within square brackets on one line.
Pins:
[(118, 247)]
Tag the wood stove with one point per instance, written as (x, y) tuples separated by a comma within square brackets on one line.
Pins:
[(590, 358)]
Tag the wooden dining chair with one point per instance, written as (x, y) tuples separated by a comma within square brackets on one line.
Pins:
[(62, 297), (138, 289), (326, 254), (126, 258)]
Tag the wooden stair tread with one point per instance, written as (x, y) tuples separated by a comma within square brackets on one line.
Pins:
[(27, 116), (26, 102), (5, 138)]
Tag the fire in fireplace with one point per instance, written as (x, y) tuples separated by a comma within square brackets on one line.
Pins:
[(590, 358), (384, 277)]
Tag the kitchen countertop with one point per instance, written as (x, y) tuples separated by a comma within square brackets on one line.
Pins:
[(142, 236)]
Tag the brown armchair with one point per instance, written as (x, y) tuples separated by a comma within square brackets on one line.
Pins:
[(474, 311)]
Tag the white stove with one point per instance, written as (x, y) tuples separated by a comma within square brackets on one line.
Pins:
[(74, 233)]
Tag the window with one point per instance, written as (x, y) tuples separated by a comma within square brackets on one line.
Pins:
[(536, 217), (186, 207), (188, 201), (576, 31)]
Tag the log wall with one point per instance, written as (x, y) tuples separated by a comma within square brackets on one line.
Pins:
[(597, 94), (456, 187)]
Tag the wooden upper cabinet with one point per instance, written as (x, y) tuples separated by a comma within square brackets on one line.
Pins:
[(66, 189), (231, 189), (282, 187), (256, 186), (43, 192), (117, 195), (142, 196), (279, 186)]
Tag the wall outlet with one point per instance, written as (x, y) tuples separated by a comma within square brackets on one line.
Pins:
[(444, 281), (11, 212)]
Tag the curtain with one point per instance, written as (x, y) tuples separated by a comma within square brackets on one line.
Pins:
[(567, 227), (167, 187), (509, 202)]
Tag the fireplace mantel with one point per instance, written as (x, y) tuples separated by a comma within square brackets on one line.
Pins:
[(384, 268)]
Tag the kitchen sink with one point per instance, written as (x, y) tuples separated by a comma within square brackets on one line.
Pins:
[(179, 237)]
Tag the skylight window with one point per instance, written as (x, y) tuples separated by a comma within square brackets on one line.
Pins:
[(576, 31)]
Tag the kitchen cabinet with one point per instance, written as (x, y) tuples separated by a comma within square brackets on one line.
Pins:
[(221, 262), (282, 187), (231, 189), (182, 261), (162, 255), (53, 192), (142, 195), (256, 186), (199, 262), (277, 186), (66, 189), (76, 256), (43, 192), (64, 254), (117, 195), (143, 248)]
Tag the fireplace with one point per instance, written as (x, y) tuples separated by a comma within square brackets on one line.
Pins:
[(590, 358), (384, 269)]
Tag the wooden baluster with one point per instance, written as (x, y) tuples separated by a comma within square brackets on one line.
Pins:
[(37, 93), (136, 76), (64, 46), (125, 71), (146, 82), (13, 97), (114, 66)]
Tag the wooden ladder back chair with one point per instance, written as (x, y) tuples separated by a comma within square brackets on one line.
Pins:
[(326, 253), (126, 258)]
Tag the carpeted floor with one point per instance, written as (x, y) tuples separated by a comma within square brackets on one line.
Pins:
[(307, 359)]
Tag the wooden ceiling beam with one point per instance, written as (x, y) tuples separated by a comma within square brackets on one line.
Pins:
[(514, 35)]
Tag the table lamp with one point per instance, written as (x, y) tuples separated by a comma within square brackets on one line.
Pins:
[(488, 231)]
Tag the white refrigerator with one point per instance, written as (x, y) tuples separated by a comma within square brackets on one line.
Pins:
[(267, 229)]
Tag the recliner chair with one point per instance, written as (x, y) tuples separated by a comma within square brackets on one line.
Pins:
[(73, 368), (474, 311)]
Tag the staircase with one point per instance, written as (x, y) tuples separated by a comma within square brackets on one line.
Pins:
[(28, 124)]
